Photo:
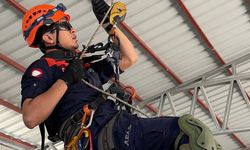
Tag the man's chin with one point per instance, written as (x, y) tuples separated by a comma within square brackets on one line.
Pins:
[(76, 46)]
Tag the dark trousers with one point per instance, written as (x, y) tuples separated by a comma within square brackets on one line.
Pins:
[(133, 133)]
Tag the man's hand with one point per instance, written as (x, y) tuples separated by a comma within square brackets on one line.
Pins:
[(100, 8), (73, 73)]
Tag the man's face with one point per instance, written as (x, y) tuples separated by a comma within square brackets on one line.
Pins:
[(67, 35)]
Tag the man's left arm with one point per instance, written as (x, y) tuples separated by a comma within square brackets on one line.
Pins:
[(128, 53)]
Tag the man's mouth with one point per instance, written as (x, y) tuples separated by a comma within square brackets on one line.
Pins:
[(74, 37)]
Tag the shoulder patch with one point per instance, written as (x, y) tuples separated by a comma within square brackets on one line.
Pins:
[(36, 72)]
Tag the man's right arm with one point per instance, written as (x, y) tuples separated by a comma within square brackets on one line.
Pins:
[(36, 110)]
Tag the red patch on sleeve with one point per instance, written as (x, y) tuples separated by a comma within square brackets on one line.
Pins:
[(36, 72)]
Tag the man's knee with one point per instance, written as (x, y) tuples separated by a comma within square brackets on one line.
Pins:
[(200, 136)]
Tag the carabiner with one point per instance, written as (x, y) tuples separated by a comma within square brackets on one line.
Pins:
[(90, 120)]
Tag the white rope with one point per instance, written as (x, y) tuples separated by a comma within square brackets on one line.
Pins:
[(99, 26), (94, 87), (118, 99)]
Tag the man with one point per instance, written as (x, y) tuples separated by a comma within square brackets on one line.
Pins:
[(52, 91)]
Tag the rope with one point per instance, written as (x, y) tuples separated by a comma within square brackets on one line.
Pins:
[(99, 26), (118, 99), (94, 87)]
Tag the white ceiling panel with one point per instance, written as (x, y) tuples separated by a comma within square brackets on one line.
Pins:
[(166, 29)]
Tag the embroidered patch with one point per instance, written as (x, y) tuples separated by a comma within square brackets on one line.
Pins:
[(36, 72)]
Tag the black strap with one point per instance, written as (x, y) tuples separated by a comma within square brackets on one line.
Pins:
[(42, 131), (61, 55), (99, 100), (57, 46), (105, 138), (122, 94)]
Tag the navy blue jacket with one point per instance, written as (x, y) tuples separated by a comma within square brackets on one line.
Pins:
[(44, 72)]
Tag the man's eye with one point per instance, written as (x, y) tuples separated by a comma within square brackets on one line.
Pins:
[(65, 26)]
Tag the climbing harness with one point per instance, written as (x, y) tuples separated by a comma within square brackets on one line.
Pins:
[(112, 53)]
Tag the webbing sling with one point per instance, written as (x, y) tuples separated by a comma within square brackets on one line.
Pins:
[(42, 131)]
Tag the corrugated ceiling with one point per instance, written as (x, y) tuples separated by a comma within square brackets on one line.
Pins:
[(177, 41)]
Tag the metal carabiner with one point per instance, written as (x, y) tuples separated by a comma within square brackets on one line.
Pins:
[(90, 120)]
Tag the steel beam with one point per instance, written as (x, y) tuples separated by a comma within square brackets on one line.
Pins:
[(170, 72), (15, 141), (8, 138), (230, 131), (161, 104), (171, 104), (10, 106), (12, 63), (212, 82), (210, 46), (168, 69), (17, 6)]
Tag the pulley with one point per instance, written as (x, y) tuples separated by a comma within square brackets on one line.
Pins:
[(117, 13)]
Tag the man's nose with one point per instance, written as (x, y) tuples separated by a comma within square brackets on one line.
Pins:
[(73, 30)]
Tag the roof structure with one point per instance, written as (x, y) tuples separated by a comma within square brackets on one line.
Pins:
[(194, 57)]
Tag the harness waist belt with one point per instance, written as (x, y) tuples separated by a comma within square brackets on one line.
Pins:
[(70, 127)]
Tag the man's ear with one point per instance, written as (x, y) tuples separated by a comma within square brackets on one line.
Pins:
[(48, 38)]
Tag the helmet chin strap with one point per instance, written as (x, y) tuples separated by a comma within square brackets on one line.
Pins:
[(58, 45)]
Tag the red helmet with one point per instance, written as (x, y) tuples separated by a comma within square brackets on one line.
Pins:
[(38, 16)]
